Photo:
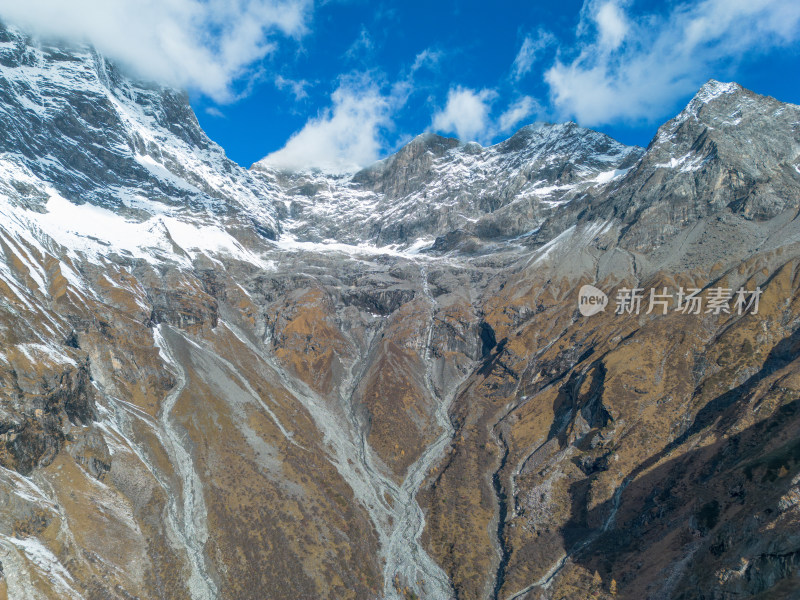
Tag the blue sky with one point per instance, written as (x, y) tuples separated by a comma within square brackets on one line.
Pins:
[(338, 84)]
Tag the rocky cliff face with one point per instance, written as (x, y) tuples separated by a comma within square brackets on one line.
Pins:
[(437, 191), (220, 383)]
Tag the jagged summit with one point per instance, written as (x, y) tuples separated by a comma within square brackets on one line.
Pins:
[(74, 124), (720, 105), (532, 139), (428, 142), (729, 149), (712, 89), (71, 122), (436, 186)]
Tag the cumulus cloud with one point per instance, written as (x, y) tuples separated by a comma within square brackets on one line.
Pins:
[(612, 25), (518, 112), (350, 134), (466, 114), (203, 45), (635, 68), (529, 53), (343, 138)]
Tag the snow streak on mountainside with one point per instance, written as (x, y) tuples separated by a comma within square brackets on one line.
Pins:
[(228, 383), (73, 127), (437, 190)]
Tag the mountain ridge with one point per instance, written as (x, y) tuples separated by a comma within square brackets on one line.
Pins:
[(218, 383)]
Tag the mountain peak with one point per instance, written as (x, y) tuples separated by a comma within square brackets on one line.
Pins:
[(428, 141), (713, 89), (710, 94)]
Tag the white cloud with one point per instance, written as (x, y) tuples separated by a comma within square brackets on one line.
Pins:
[(517, 112), (635, 69), (427, 58), (296, 86), (199, 44), (612, 25), (343, 138), (403, 88), (348, 135), (466, 114), (361, 47), (215, 112), (529, 53)]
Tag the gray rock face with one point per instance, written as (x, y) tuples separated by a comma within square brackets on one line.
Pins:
[(444, 196), (728, 149), (44, 413), (70, 118), (438, 189)]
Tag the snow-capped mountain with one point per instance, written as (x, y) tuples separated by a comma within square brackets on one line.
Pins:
[(238, 384), (86, 146), (435, 187)]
